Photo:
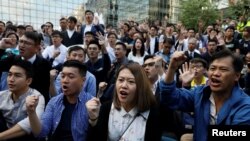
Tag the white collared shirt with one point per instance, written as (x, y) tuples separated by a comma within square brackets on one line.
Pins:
[(70, 32), (120, 120), (87, 28), (49, 51), (213, 114)]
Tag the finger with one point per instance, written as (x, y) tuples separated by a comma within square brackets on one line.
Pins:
[(180, 71)]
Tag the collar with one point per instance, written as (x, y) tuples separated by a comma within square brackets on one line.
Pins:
[(32, 59)]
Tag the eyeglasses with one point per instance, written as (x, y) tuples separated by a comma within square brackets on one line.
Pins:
[(148, 64), (27, 43), (196, 66)]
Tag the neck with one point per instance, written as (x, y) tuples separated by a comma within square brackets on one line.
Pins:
[(93, 60), (138, 52), (72, 99), (247, 38), (128, 107), (220, 98), (57, 46), (16, 95), (198, 80)]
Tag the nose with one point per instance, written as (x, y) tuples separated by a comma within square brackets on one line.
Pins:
[(216, 72), (124, 84), (65, 79)]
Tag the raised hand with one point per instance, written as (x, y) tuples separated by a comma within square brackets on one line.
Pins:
[(101, 38), (186, 73), (93, 108), (102, 87), (6, 43), (177, 59), (31, 103)]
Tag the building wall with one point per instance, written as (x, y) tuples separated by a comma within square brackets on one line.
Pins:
[(37, 12)]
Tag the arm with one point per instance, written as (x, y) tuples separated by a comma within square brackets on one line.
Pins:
[(13, 132), (90, 84), (52, 88)]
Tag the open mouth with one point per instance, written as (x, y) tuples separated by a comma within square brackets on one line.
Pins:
[(215, 81), (65, 88)]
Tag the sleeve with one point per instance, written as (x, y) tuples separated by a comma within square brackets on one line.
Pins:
[(47, 119), (176, 98), (57, 84), (45, 53), (25, 124), (90, 84)]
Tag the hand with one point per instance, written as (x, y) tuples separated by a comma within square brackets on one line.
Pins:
[(31, 103), (53, 74), (102, 86), (177, 59), (6, 43), (56, 53), (186, 74), (101, 38), (93, 108)]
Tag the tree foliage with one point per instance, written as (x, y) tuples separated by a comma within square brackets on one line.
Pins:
[(193, 11), (235, 10)]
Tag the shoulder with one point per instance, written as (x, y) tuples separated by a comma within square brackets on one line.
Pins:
[(4, 93)]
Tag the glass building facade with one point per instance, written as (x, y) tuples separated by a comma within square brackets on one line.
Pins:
[(37, 12)]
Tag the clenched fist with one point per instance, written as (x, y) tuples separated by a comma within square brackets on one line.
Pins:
[(31, 103), (93, 108)]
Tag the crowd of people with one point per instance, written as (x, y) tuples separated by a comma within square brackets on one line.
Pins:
[(139, 81)]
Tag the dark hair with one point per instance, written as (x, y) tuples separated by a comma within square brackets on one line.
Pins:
[(21, 27), (213, 40), (11, 27), (63, 18), (56, 32), (199, 60), (50, 24), (28, 26), (95, 43), (76, 64), (154, 26), (122, 44), (73, 19), (142, 50), (237, 62), (75, 48), (127, 24), (168, 40), (148, 57), (89, 33), (191, 29), (112, 33), (13, 33), (2, 23), (89, 11), (33, 36), (230, 27), (26, 65), (144, 97)]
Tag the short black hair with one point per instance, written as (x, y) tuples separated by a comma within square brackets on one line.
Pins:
[(11, 27), (112, 33), (73, 19), (63, 18), (26, 65), (168, 40), (75, 48), (122, 44), (50, 24), (56, 32), (89, 11), (2, 23), (89, 33), (237, 61), (94, 42), (76, 64), (148, 57), (34, 36), (21, 27), (199, 60)]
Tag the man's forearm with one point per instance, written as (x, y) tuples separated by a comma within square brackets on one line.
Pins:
[(13, 132), (170, 75), (35, 123)]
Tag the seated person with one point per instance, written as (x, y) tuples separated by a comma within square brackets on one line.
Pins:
[(12, 103)]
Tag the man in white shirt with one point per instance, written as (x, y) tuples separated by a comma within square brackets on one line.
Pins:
[(90, 26), (57, 52)]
